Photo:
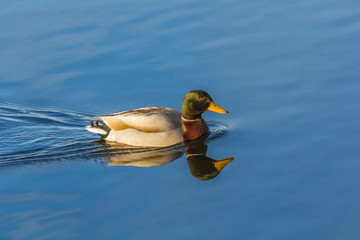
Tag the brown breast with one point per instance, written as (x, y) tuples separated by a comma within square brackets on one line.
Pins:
[(194, 129)]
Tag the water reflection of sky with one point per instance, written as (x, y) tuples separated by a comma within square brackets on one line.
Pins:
[(287, 72)]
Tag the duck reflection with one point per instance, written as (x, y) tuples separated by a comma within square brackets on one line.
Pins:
[(146, 159), (201, 166)]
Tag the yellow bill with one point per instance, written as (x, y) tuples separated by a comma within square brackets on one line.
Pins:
[(222, 163), (215, 108)]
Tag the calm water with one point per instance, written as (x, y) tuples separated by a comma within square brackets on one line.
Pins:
[(288, 72)]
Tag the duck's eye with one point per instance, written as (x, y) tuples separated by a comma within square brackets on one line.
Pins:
[(202, 98)]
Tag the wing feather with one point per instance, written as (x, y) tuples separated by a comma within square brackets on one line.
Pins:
[(152, 119)]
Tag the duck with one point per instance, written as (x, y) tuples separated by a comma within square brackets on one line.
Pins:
[(157, 126)]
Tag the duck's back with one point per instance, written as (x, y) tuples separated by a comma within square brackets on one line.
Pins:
[(152, 126)]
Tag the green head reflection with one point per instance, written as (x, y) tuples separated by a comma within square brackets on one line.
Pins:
[(201, 166)]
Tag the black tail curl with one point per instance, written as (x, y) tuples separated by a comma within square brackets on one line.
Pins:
[(98, 123)]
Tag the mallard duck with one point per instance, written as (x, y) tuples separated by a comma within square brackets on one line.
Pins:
[(157, 126)]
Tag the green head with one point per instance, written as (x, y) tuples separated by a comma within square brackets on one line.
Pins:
[(196, 102)]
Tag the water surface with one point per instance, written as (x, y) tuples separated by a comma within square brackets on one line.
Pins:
[(286, 71)]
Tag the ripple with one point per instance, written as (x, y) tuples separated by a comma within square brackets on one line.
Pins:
[(37, 136)]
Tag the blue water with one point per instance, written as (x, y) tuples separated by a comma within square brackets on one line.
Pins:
[(288, 72)]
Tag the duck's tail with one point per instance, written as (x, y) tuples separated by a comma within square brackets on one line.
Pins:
[(99, 127)]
